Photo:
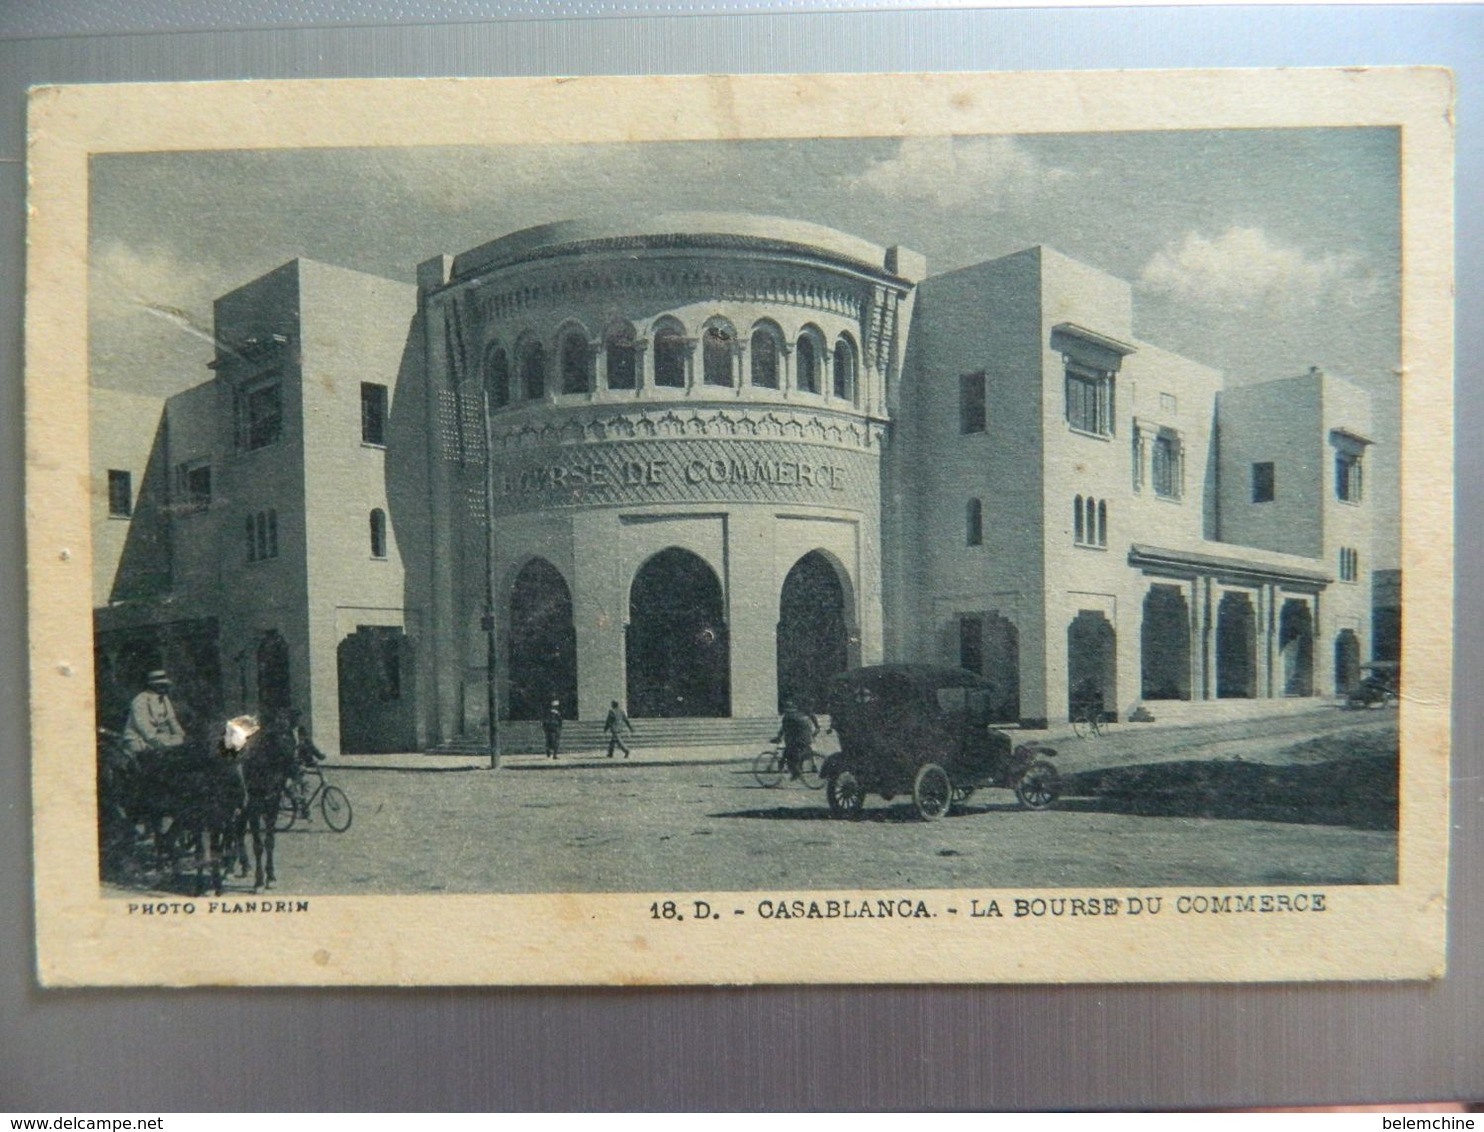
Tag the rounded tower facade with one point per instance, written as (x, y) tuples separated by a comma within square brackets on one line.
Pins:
[(676, 429)]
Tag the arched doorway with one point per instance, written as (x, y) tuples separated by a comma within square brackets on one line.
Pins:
[(1164, 644), (1296, 647), (274, 694), (677, 652), (1236, 647), (813, 636), (1347, 662), (378, 703), (1092, 661), (543, 643), (1002, 666)]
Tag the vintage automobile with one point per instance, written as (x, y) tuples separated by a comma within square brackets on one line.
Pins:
[(1379, 687), (925, 731)]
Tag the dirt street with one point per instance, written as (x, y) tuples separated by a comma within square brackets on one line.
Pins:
[(1269, 802)]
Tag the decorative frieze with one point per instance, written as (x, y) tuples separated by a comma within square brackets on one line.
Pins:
[(597, 427)]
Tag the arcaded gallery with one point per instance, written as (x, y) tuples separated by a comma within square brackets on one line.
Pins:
[(701, 464)]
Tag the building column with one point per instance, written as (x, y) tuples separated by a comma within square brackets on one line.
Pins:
[(1208, 637), (752, 612), (1268, 601), (600, 610)]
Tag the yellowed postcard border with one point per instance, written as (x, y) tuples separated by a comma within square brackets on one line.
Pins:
[(1372, 932)]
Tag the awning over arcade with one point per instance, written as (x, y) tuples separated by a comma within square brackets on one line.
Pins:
[(1226, 567)]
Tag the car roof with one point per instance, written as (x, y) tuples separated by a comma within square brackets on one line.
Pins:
[(925, 675)]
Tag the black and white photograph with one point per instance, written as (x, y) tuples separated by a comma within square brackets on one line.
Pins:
[(705, 534)]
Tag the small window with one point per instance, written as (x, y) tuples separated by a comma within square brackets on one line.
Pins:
[(1169, 403), (763, 359), (806, 365), (974, 523), (378, 533), (623, 360), (1090, 521), (373, 413), (844, 371), (1349, 564), (716, 356), (971, 412), (192, 487), (971, 643), (1166, 468), (262, 536), (1347, 476), (1264, 483), (671, 351), (497, 377), (259, 417), (1090, 400), (120, 493), (576, 355), (533, 371)]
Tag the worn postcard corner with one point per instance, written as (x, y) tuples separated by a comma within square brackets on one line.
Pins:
[(742, 529)]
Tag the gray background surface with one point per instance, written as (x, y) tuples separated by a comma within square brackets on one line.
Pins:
[(778, 1047)]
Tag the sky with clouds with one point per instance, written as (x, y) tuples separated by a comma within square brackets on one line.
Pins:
[(1258, 252)]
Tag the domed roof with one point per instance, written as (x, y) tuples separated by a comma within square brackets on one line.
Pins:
[(738, 230)]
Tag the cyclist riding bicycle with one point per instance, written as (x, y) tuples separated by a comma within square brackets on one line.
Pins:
[(796, 731)]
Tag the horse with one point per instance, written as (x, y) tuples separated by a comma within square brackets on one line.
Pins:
[(268, 760), (188, 796)]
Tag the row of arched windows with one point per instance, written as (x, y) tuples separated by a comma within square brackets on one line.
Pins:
[(616, 362), (1090, 521)]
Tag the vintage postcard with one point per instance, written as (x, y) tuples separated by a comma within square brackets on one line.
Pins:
[(843, 528)]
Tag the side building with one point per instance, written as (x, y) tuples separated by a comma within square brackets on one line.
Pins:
[(1096, 517), (260, 564)]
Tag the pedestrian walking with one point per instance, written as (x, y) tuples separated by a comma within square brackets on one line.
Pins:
[(617, 719), (551, 723)]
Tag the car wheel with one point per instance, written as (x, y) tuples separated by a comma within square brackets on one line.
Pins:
[(846, 795), (1039, 787), (932, 792)]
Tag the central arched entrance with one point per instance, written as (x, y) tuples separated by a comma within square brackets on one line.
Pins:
[(543, 643), (677, 653), (813, 635)]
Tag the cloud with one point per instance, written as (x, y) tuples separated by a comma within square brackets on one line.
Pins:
[(990, 173), (150, 315), (1244, 269)]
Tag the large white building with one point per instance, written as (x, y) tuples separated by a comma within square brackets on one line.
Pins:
[(701, 464)]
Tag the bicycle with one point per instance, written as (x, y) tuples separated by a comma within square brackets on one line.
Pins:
[(770, 767), (1088, 718), (298, 800)]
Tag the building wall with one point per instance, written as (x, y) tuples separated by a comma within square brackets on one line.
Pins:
[(1278, 423), (127, 434), (259, 339), (355, 328), (983, 318)]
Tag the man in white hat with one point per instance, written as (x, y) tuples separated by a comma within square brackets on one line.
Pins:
[(152, 725)]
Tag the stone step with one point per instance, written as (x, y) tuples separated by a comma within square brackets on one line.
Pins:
[(526, 737)]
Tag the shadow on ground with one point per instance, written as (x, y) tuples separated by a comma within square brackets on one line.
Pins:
[(1348, 780), (1358, 790)]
